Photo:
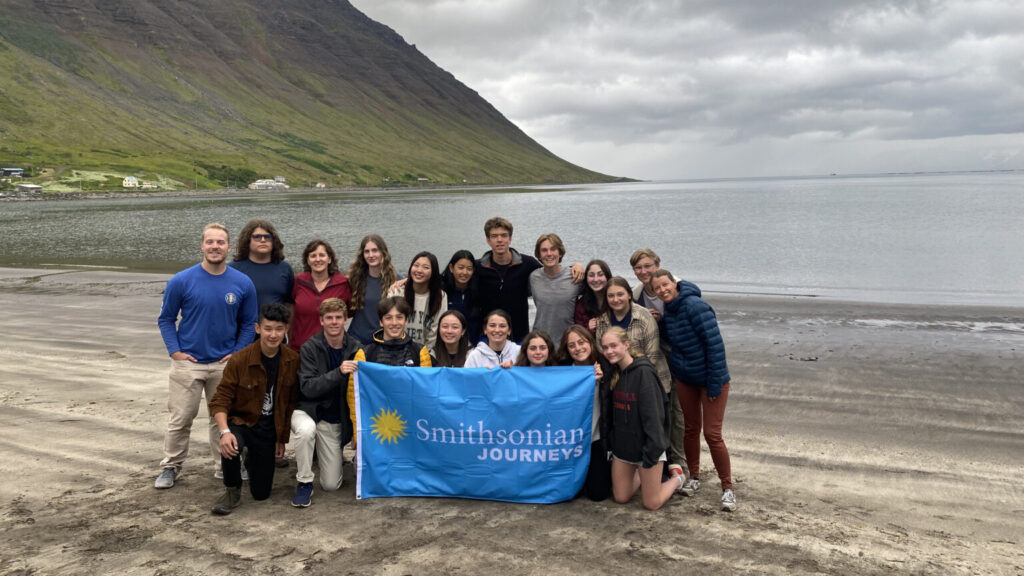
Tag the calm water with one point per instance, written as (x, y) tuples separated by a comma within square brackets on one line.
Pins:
[(952, 238)]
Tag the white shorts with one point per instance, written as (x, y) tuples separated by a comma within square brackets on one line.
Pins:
[(662, 458)]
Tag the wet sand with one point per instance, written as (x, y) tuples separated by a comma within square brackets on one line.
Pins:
[(865, 439)]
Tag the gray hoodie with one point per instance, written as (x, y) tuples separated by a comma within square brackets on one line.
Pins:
[(483, 356)]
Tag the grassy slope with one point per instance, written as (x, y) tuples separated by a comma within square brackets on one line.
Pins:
[(322, 94)]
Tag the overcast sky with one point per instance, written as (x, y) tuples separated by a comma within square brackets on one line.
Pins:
[(666, 89)]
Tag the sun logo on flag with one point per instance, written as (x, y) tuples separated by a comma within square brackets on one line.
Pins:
[(388, 426)]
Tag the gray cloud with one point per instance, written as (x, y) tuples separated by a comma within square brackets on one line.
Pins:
[(664, 89)]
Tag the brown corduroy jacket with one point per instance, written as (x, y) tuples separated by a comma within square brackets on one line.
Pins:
[(244, 384)]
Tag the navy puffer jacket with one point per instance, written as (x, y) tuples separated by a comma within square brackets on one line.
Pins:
[(698, 352)]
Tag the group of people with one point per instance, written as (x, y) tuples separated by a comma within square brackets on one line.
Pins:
[(274, 353)]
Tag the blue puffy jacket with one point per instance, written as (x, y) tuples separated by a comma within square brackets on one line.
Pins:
[(698, 352)]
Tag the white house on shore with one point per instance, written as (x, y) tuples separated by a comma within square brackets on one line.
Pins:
[(130, 182), (268, 184)]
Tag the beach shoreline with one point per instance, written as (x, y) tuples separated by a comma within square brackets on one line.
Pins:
[(865, 439)]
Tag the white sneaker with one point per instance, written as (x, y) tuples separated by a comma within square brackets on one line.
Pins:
[(690, 487), (728, 500)]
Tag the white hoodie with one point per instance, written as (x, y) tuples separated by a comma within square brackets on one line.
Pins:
[(483, 356)]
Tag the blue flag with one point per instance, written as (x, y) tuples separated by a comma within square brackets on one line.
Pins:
[(516, 435)]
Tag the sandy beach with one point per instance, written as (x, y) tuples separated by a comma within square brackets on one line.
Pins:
[(865, 439)]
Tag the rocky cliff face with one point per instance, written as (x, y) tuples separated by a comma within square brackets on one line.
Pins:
[(311, 88)]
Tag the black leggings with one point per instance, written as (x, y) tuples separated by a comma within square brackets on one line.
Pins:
[(259, 462)]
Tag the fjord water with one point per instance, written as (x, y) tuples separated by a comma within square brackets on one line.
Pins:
[(930, 238)]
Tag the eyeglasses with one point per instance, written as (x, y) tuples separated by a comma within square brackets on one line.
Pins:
[(263, 237)]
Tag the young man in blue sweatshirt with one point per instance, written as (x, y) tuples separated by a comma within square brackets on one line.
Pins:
[(217, 305)]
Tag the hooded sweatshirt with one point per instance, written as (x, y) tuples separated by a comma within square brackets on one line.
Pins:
[(640, 425), (483, 356)]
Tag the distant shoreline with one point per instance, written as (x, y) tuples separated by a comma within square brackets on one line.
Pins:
[(84, 276), (227, 192)]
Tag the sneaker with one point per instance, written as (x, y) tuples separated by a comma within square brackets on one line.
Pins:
[(281, 462), (166, 478), (303, 495), (690, 487), (229, 501), (728, 500)]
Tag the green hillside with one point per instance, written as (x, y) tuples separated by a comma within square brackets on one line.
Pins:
[(216, 93)]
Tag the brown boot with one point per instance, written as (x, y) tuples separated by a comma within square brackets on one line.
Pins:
[(229, 501)]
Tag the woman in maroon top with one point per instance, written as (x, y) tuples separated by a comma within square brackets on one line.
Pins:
[(592, 303), (320, 279)]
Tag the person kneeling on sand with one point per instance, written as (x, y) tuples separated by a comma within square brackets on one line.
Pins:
[(639, 431), (253, 407), (321, 419)]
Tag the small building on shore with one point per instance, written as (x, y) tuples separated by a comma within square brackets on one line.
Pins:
[(29, 189), (12, 172), (268, 184), (130, 183)]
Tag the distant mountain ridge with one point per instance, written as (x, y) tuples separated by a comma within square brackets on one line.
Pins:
[(200, 90)]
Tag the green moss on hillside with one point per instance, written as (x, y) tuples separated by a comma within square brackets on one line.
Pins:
[(309, 90)]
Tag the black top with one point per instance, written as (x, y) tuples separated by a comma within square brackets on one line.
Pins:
[(265, 425)]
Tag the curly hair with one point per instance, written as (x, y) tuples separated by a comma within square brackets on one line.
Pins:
[(245, 236), (359, 270)]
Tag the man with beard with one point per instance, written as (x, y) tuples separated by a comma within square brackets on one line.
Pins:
[(217, 305)]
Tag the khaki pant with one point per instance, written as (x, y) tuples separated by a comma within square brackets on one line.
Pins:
[(326, 437), (187, 383)]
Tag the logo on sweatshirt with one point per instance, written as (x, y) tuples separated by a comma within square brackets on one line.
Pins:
[(230, 298)]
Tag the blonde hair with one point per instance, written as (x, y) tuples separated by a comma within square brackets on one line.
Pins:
[(333, 305), (620, 333), (644, 253), (216, 226), (622, 336)]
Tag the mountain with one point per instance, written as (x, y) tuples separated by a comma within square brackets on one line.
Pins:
[(209, 92)]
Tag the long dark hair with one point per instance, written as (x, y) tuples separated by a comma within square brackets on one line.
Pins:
[(434, 292), (524, 360), (245, 236), (564, 358), (441, 355), (359, 270), (315, 243), (594, 303), (447, 278)]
